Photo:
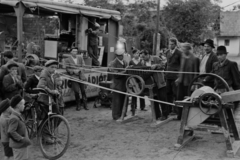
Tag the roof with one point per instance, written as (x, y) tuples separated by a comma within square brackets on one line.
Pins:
[(50, 7), (230, 22)]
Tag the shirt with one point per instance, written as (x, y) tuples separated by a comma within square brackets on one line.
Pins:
[(148, 63), (37, 77), (75, 60), (120, 61), (203, 64), (172, 51)]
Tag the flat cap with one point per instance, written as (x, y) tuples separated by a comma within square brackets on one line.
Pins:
[(187, 45), (5, 104), (15, 100), (51, 62), (9, 66), (37, 68)]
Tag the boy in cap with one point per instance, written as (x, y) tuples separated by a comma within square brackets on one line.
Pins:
[(5, 111), (19, 140), (12, 82)]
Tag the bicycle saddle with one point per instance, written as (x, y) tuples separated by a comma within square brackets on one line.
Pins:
[(40, 90)]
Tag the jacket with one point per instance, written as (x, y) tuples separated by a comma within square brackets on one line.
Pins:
[(31, 83), (119, 81), (157, 76), (212, 59), (173, 63), (229, 72), (10, 87), (4, 123), (190, 64), (71, 66), (17, 130)]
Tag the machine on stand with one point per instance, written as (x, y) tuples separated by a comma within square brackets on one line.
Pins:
[(207, 106)]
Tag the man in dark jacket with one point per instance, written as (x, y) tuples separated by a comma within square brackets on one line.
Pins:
[(93, 44), (173, 64), (32, 82), (158, 77), (8, 58), (208, 59), (119, 83)]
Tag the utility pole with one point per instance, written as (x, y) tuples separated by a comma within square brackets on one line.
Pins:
[(157, 27)]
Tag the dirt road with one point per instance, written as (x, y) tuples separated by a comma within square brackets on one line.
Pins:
[(95, 136)]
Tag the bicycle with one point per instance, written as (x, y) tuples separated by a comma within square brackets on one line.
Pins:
[(52, 126)]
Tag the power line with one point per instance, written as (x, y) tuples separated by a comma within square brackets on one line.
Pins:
[(231, 4)]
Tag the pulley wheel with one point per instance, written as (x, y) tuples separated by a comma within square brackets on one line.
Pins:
[(210, 103), (135, 85)]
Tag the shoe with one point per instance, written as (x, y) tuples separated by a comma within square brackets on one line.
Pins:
[(173, 114), (86, 108), (143, 109)]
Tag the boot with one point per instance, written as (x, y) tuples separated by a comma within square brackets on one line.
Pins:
[(78, 102), (84, 99)]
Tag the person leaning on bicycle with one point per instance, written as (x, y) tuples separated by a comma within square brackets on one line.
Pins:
[(46, 82)]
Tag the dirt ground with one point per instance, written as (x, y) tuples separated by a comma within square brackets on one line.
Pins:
[(95, 136)]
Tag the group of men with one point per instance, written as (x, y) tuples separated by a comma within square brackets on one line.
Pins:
[(172, 81)]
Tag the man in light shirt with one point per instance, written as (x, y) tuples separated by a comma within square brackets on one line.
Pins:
[(74, 63), (208, 59)]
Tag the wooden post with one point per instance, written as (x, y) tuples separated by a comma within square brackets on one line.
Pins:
[(157, 28), (19, 10)]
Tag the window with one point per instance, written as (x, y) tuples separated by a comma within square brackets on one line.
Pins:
[(227, 42)]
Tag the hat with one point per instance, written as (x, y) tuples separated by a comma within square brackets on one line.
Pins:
[(221, 50), (51, 62), (8, 54), (209, 42), (4, 105), (119, 51), (37, 68), (12, 65), (97, 25), (15, 100)]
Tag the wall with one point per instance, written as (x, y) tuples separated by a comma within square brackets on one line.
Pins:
[(234, 45)]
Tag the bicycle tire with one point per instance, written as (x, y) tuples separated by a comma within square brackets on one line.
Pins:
[(41, 132)]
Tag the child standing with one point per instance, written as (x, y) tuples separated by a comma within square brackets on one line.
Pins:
[(5, 111)]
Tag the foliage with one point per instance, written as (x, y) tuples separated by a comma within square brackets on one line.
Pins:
[(66, 1), (192, 20)]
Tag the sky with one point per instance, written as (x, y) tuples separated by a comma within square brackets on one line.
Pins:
[(222, 4)]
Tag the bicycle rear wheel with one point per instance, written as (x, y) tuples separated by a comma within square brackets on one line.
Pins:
[(54, 137)]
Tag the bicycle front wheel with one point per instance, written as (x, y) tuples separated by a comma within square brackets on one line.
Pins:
[(54, 137)]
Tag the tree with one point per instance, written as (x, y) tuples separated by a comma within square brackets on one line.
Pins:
[(67, 1), (192, 20)]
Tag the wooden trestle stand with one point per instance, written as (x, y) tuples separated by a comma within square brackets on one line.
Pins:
[(140, 83), (202, 105)]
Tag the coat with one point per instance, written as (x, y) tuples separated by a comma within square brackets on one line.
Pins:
[(229, 72), (17, 130), (10, 87), (119, 81), (190, 64), (31, 83), (209, 64), (71, 66), (173, 63), (157, 76)]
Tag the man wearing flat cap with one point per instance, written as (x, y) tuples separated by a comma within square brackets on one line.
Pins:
[(12, 83), (118, 83), (93, 44), (32, 81), (8, 58)]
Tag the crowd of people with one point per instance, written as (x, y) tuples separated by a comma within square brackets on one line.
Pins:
[(172, 81)]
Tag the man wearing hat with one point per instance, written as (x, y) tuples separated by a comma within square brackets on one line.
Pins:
[(72, 62), (19, 140), (118, 83), (208, 59), (228, 70), (8, 58), (93, 44), (46, 80), (5, 112), (12, 83), (32, 82)]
